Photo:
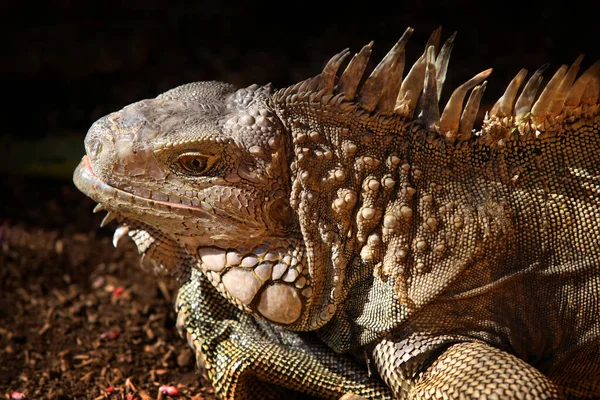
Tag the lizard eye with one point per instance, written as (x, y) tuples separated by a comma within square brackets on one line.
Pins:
[(194, 163)]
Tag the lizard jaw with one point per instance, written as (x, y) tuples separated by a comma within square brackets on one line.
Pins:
[(153, 212), (270, 283), (113, 199), (160, 253)]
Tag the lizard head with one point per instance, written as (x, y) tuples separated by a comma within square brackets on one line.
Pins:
[(199, 175)]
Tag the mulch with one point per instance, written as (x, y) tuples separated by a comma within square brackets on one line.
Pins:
[(79, 318)]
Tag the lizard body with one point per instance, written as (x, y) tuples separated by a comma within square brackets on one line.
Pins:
[(346, 215)]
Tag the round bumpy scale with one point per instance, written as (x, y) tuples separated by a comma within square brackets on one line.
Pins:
[(233, 258), (212, 258), (368, 213), (263, 271), (291, 275), (280, 303), (246, 120), (278, 270), (249, 261), (390, 221), (241, 284)]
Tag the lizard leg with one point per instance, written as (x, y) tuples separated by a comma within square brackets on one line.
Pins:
[(461, 370), (246, 358)]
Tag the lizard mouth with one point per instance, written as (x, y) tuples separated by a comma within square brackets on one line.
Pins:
[(159, 253), (119, 202), (115, 199)]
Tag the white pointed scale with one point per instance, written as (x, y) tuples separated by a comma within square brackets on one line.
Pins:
[(467, 119), (591, 92), (107, 219), (392, 66), (574, 95), (442, 61), (372, 90), (434, 40), (429, 103), (590, 96), (525, 100), (452, 112), (412, 85), (505, 104), (558, 101), (539, 111), (119, 233), (354, 71), (330, 71)]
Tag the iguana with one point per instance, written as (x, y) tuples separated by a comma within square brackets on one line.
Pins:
[(344, 231)]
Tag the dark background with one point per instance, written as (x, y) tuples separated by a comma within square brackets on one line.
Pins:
[(66, 63), (76, 317)]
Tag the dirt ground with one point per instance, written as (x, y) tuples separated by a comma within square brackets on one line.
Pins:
[(80, 319)]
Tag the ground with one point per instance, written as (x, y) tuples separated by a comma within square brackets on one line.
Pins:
[(82, 320)]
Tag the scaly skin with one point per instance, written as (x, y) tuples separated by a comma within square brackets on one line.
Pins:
[(344, 215)]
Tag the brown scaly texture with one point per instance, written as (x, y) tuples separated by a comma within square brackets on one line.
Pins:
[(347, 214)]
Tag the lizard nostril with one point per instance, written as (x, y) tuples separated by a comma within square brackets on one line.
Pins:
[(94, 148)]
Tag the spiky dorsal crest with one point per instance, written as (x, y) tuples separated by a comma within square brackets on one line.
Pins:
[(535, 110)]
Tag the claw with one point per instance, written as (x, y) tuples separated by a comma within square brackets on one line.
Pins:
[(99, 207)]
